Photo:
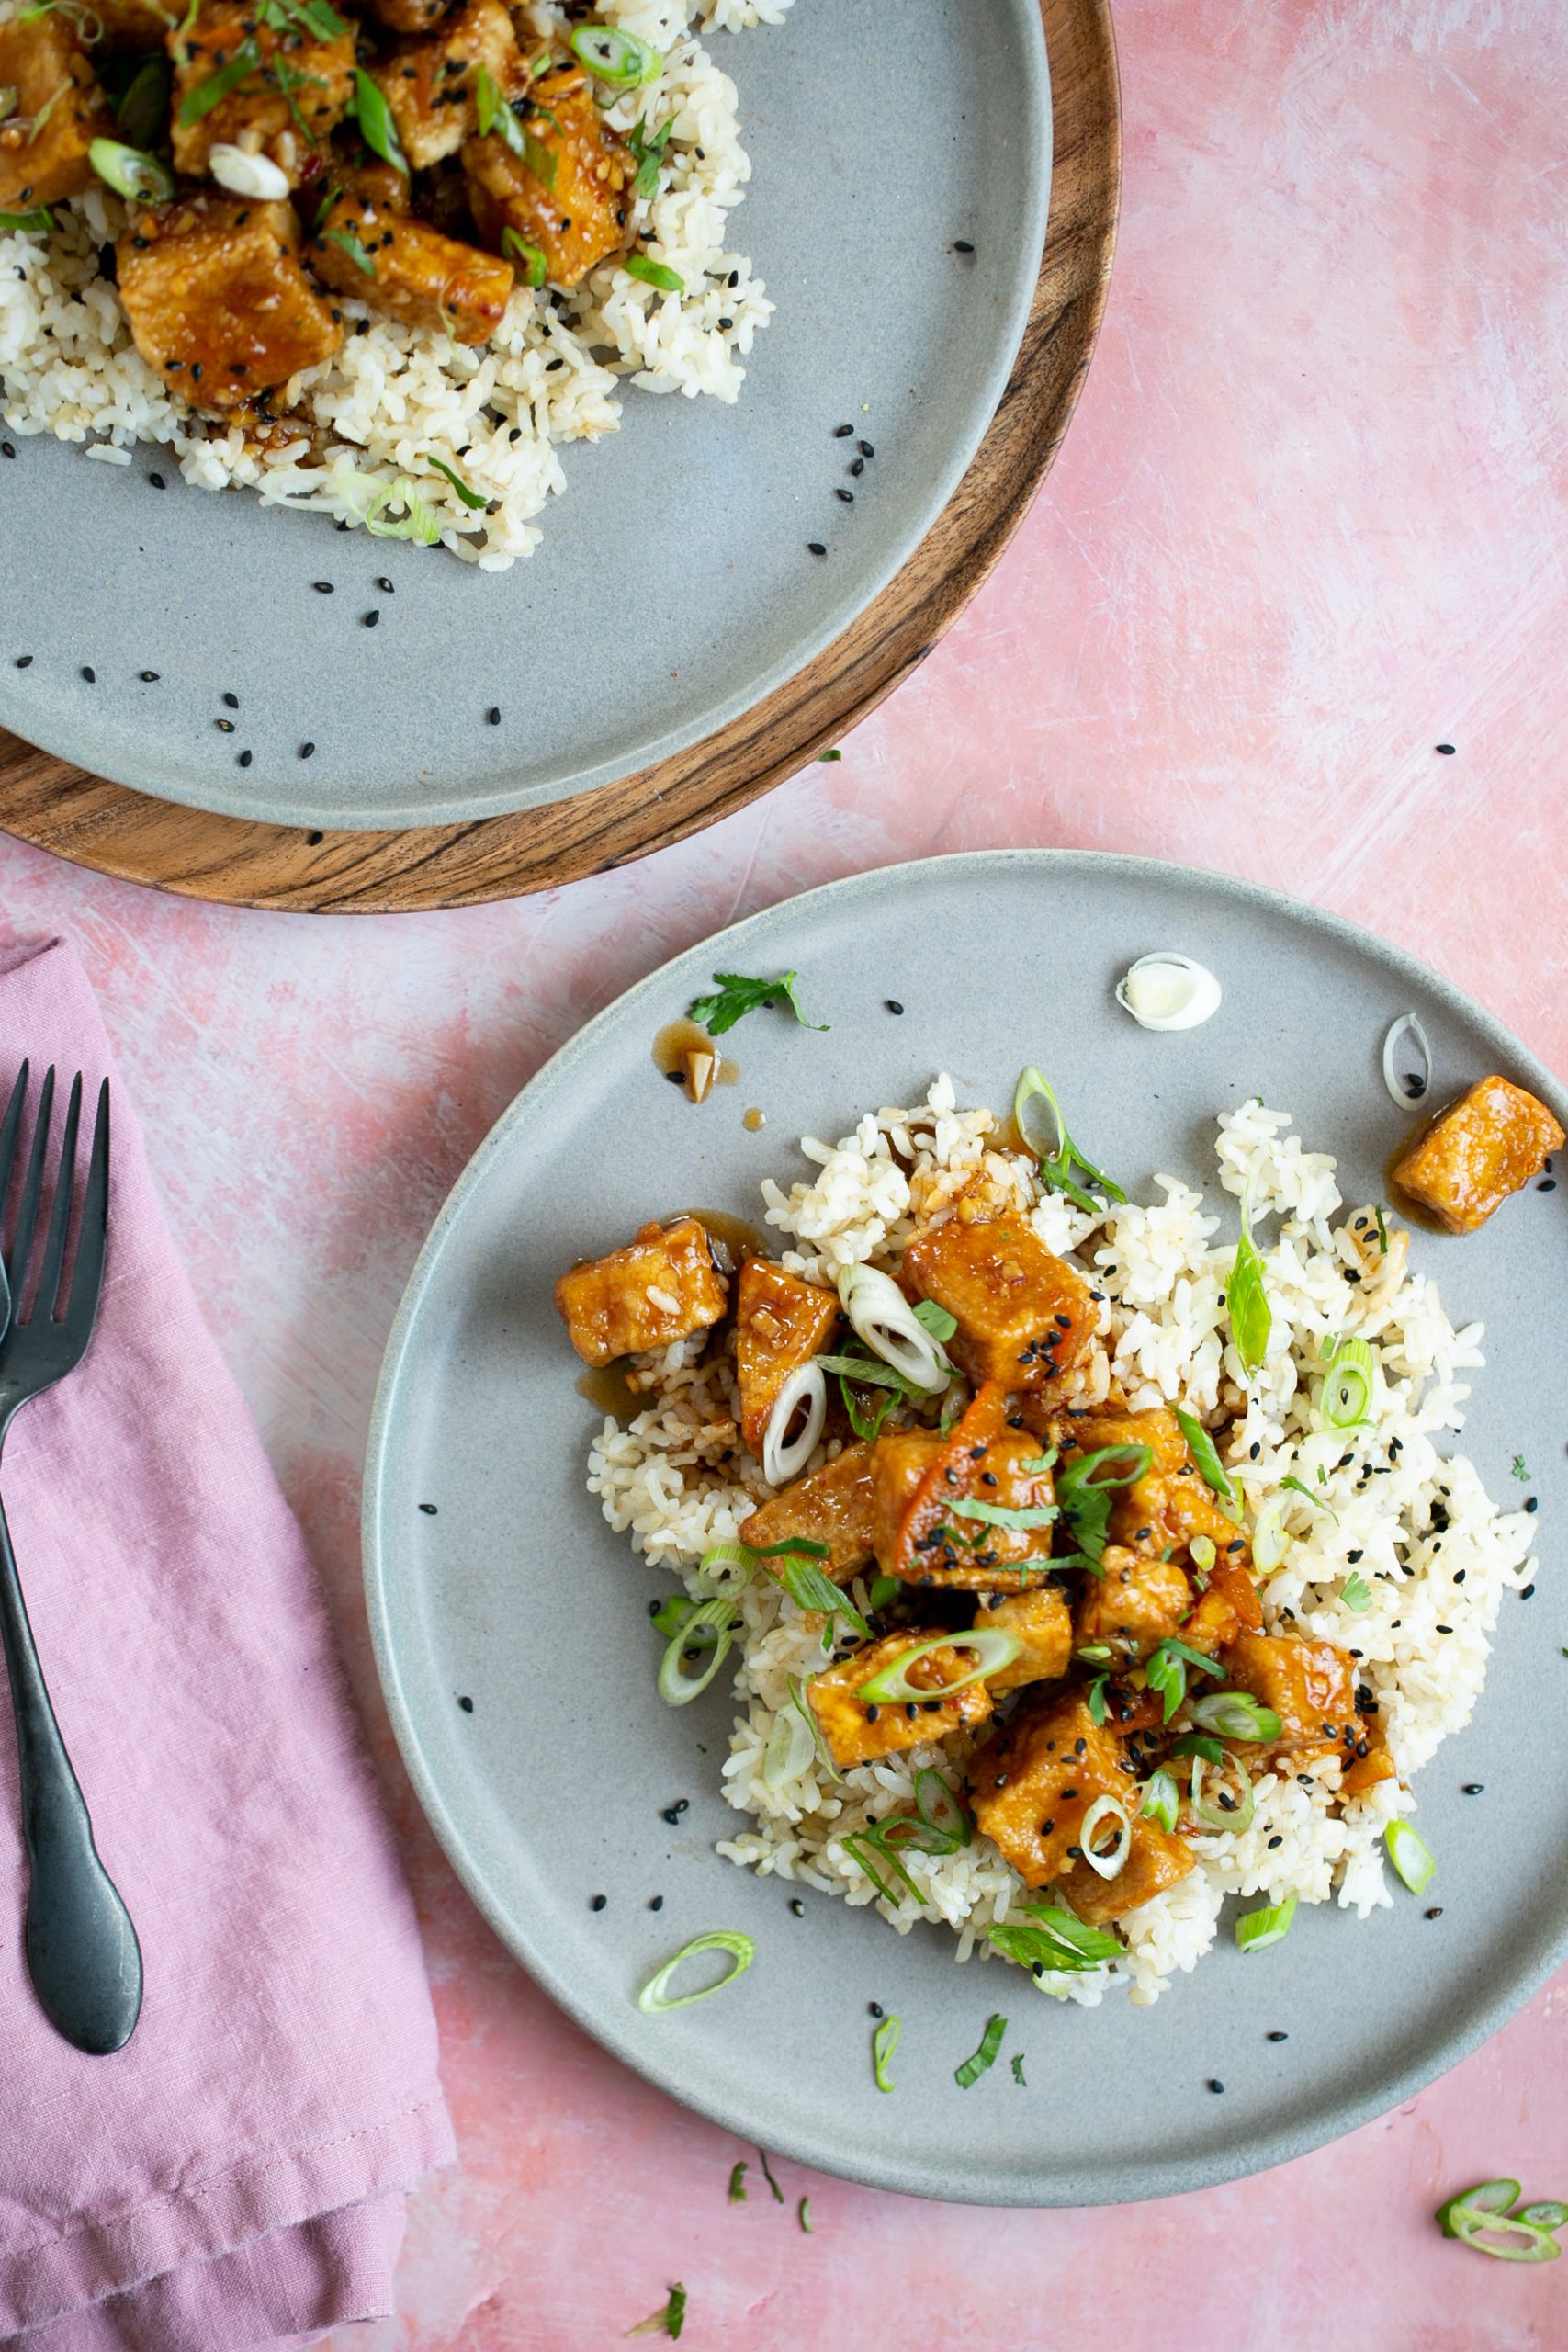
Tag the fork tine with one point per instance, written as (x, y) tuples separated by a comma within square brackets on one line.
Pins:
[(86, 1278), (32, 1186), (10, 1128), (59, 1215)]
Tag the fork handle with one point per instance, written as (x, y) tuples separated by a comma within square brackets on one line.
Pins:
[(83, 1955)]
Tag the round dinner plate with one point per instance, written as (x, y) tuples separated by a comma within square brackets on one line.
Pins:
[(492, 1578), (674, 589)]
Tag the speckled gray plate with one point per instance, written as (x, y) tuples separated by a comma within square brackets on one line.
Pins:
[(674, 589), (516, 1594)]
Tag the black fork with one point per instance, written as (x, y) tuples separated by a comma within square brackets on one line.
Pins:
[(83, 1955)]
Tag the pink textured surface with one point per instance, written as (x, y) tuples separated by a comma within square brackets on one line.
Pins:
[(1308, 524)]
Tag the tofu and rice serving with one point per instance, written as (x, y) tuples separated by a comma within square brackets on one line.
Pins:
[(378, 260), (1082, 1568)]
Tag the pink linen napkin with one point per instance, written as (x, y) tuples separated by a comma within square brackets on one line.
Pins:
[(235, 2176)]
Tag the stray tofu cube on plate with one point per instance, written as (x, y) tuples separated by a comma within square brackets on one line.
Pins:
[(1462, 1165)]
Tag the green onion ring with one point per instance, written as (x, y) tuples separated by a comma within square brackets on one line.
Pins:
[(993, 1648), (711, 1621), (1348, 1383), (131, 172), (653, 2001), (1256, 1930), (619, 60), (1486, 2197), (883, 2042), (1412, 1858), (1111, 1864), (985, 2057), (1529, 2244), (1215, 1816), (1235, 1716)]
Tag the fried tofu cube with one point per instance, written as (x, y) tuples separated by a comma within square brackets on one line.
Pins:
[(217, 299), (1024, 1315), (569, 194), (1135, 1604), (1042, 1622), (1169, 1504), (283, 88), (1463, 1163), (1228, 1608), (1032, 1787), (858, 1731), (415, 274), (933, 1495), (780, 1324), (56, 114), (1155, 1860), (660, 1288), (1310, 1685), (831, 1506), (431, 84)]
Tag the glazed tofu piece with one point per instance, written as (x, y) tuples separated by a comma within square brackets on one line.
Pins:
[(56, 114), (1155, 1860), (1135, 1604), (217, 299), (780, 1324), (933, 1495), (570, 195), (1042, 1621), (1024, 1315), (430, 85), (1463, 1164), (1171, 1503), (858, 1731), (1031, 1788), (1228, 1608), (414, 272), (283, 88), (831, 1506), (1310, 1685), (660, 1288)]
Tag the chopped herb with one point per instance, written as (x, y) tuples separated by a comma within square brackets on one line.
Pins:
[(647, 154), (667, 2321), (1246, 1300), (826, 756), (1018, 2070), (1382, 1233), (654, 273), (1521, 1472), (198, 103), (1056, 1166), (883, 2042), (28, 224), (737, 996), (1085, 1490), (531, 259), (985, 2057), (374, 116), (1019, 1519), (1316, 1501), (803, 2215), (469, 497), (768, 2176), (738, 2182), (356, 252), (1166, 1671), (1201, 1445), (1356, 1594), (1096, 1702)]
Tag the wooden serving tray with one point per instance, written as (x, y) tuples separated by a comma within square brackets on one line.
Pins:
[(127, 834)]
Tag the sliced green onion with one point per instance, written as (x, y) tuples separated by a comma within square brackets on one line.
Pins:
[(986, 2056), (1246, 1300), (868, 1849), (1164, 1670), (713, 1567), (653, 2001), (1234, 1716), (991, 1648), (1218, 1818), (35, 223), (710, 1622), (936, 1319), (941, 1809), (809, 1588), (1270, 1537), (1085, 1491), (1161, 1798), (882, 1589), (376, 123), (789, 1750), (648, 152), (469, 497), (1487, 2197), (1548, 2215), (1057, 1162), (1382, 1232), (10, 98), (1410, 1857), (351, 245), (1018, 2070), (738, 2182), (1096, 1700), (1111, 1863), (671, 1614), (531, 258), (1053, 1940), (1021, 1519), (1201, 1445), (198, 103), (882, 1317), (1256, 1930), (803, 2215), (654, 273), (131, 172), (1202, 1553), (768, 2176), (1089, 1943), (1198, 1743), (807, 1713), (883, 2042), (617, 59), (1347, 1385), (669, 2321), (1508, 2238), (1356, 1595)]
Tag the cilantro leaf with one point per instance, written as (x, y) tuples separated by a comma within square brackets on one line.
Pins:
[(667, 2321), (737, 996)]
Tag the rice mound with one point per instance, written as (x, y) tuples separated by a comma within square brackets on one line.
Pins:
[(1418, 1526), (395, 395)]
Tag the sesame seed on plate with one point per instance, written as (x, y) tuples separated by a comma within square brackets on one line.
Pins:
[(598, 1903)]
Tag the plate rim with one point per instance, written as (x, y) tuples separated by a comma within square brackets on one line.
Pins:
[(1256, 2151)]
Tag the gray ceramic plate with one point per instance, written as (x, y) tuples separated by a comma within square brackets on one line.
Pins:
[(516, 1594), (674, 590)]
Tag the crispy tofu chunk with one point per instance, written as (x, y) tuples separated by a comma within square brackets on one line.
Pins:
[(1229, 1607), (780, 1324), (858, 1733), (1310, 1685), (1042, 1623), (575, 208), (57, 113), (933, 1494), (1033, 1787), (1156, 1861), (1024, 1315), (831, 1506), (1463, 1163), (284, 88), (1134, 1605), (660, 1288), (430, 85), (1171, 1503), (415, 273), (217, 299)]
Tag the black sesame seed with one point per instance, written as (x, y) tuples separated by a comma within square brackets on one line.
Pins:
[(672, 1813), (370, 619), (876, 2008), (892, 1003), (815, 547), (429, 1509), (8, 448), (1447, 749), (156, 481), (1547, 1184), (1530, 1503), (1275, 1842), (231, 702), (1526, 1590), (91, 675), (656, 1902), (24, 661), (245, 760), (148, 677), (847, 495), (386, 587), (323, 587), (1436, 1912), (865, 449), (307, 750), (1475, 1788), (858, 468), (466, 1703), (492, 717), (598, 1903), (797, 1907), (842, 431), (676, 1077), (962, 245), (1277, 2036), (224, 726), (1213, 2084)]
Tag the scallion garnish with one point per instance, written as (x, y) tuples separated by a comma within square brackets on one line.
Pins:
[(1270, 1537), (653, 2001), (1053, 1939), (1356, 1594), (1018, 2070), (738, 2182), (808, 1588), (531, 258), (617, 59), (198, 103), (1054, 1147), (469, 497), (1382, 1232), (1246, 1300), (1164, 1670), (1108, 1861), (990, 1647), (1411, 1856), (1486, 2197), (1201, 1553), (1508, 2237), (1235, 1716), (883, 2042), (883, 1319), (1096, 1699), (35, 223), (703, 1625), (1256, 1930), (1521, 1471), (375, 120), (131, 172), (807, 1714), (1221, 1817), (768, 2176), (1161, 1799), (1348, 1382), (667, 2321), (803, 2215), (1201, 1445), (656, 274), (882, 1589), (1198, 1743), (737, 996), (1020, 1517), (985, 2057), (352, 246)]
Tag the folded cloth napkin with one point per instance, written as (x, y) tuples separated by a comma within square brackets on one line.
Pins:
[(235, 2176)]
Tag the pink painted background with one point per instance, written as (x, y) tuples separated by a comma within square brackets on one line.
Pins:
[(1309, 522)]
